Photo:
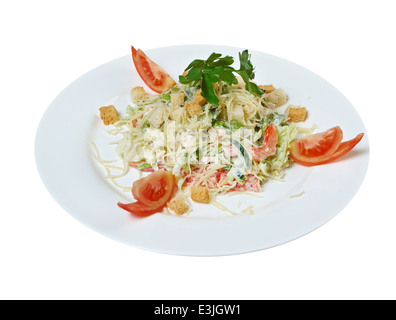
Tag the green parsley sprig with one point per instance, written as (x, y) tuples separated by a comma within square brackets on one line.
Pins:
[(218, 68)]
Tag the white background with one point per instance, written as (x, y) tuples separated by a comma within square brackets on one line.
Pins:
[(47, 254)]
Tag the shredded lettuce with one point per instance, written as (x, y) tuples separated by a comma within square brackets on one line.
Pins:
[(156, 132)]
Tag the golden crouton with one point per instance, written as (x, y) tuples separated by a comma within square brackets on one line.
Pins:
[(268, 88), (109, 115), (297, 114), (185, 73), (138, 94), (177, 99), (198, 97), (178, 206), (193, 108), (200, 194)]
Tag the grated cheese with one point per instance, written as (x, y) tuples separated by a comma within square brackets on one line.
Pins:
[(249, 210), (220, 206), (298, 195), (107, 168)]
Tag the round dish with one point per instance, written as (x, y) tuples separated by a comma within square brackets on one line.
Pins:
[(308, 198)]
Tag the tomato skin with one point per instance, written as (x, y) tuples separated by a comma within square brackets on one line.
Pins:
[(316, 148), (268, 148), (139, 208), (155, 188), (152, 193), (344, 148), (302, 155), (151, 73)]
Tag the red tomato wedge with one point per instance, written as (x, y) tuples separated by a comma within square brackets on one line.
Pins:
[(345, 147), (316, 148), (139, 209), (268, 148), (151, 73), (321, 148), (152, 193), (155, 188)]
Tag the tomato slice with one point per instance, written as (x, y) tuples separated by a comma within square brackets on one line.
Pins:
[(345, 147), (151, 73), (321, 148), (268, 148), (155, 188), (152, 193), (139, 208), (317, 148)]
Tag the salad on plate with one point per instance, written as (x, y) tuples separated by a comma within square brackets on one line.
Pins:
[(213, 132)]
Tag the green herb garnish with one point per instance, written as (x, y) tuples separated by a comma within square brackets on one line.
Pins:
[(144, 166), (235, 124), (146, 124), (217, 68), (232, 126), (166, 96)]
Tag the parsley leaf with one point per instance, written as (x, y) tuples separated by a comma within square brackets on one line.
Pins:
[(228, 77), (246, 64), (196, 64), (216, 68), (207, 88), (213, 57)]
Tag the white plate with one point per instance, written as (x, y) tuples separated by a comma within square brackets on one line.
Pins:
[(65, 163)]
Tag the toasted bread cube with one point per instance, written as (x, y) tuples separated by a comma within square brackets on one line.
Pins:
[(178, 206), (200, 194), (109, 115), (177, 99), (138, 94), (267, 87), (297, 114), (193, 109), (198, 97)]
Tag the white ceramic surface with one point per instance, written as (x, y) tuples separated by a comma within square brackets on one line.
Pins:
[(68, 170)]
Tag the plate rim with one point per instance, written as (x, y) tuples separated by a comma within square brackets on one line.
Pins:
[(64, 205)]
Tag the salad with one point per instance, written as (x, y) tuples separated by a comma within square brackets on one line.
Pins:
[(214, 132)]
